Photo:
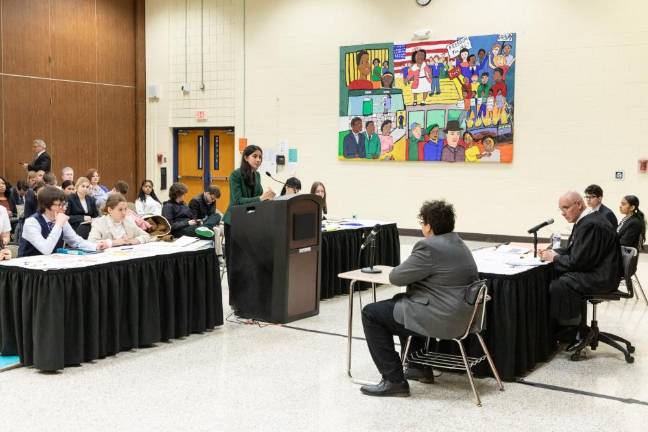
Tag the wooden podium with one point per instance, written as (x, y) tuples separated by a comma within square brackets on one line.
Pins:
[(275, 258)]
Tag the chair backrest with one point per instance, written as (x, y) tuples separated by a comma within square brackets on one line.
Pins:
[(630, 258), (476, 295)]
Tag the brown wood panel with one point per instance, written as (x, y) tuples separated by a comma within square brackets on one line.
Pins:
[(116, 42), (3, 160), (140, 89), (116, 131), (73, 39), (74, 127), (25, 42), (27, 116)]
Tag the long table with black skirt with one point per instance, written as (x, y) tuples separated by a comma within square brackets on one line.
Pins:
[(341, 250), (56, 318)]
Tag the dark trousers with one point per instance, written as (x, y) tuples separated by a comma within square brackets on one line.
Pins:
[(228, 236), (380, 328)]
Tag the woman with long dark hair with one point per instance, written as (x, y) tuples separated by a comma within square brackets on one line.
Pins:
[(632, 228), (147, 202), (245, 188), (318, 189)]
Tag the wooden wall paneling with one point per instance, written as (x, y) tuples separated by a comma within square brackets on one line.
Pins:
[(27, 116), (74, 127), (116, 42), (25, 42), (140, 89), (116, 131), (74, 40), (3, 160)]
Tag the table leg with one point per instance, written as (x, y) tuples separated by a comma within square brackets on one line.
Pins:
[(350, 336), (373, 285)]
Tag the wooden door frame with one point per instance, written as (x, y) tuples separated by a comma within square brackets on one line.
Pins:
[(207, 166)]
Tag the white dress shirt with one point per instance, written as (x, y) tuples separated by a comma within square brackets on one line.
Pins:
[(148, 207), (5, 223), (32, 233)]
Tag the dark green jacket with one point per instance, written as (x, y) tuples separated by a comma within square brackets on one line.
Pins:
[(240, 193)]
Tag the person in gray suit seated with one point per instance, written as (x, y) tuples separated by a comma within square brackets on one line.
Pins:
[(436, 274)]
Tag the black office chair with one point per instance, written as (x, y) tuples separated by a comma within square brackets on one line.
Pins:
[(630, 258)]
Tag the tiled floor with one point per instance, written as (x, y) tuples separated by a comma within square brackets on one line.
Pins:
[(248, 378)]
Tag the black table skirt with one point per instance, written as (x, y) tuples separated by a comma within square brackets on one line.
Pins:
[(66, 317), (340, 254), (518, 329)]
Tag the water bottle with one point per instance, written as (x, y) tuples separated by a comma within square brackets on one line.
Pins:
[(555, 241)]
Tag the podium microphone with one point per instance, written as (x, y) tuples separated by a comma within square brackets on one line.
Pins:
[(278, 181), (372, 235), (540, 225)]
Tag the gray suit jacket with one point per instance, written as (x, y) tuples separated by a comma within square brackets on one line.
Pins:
[(437, 275)]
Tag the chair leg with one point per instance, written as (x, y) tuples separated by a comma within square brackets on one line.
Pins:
[(629, 346), (640, 288), (614, 344), (490, 362), (469, 373), (407, 347)]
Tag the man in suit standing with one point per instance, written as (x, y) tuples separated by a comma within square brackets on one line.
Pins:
[(354, 142), (594, 199), (42, 161), (591, 264), (436, 275)]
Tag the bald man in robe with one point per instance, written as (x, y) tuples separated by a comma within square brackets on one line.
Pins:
[(590, 264)]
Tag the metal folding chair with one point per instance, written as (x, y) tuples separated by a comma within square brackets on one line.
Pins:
[(460, 362)]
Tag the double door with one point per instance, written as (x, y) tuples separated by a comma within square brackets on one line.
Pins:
[(205, 157)]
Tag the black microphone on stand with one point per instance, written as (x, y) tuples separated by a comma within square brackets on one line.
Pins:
[(372, 235), (534, 231), (278, 181), (371, 240)]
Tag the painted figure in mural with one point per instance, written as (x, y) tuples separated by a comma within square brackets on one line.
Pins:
[(495, 59), (387, 104), (434, 146), (464, 65), (406, 71), (372, 142), (436, 68), (482, 93), (491, 154), (420, 76), (387, 80), (452, 151), (498, 90), (385, 67), (401, 121), (364, 69), (354, 142), (386, 140), (376, 73), (482, 61), (472, 65), (473, 154), (415, 139), (474, 85)]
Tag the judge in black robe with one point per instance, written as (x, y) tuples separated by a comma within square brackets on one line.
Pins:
[(591, 263)]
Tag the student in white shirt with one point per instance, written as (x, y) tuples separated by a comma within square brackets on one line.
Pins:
[(147, 203), (5, 226), (48, 228), (114, 227)]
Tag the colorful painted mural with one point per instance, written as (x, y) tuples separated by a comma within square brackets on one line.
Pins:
[(444, 100)]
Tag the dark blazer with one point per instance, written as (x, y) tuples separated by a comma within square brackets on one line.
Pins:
[(631, 231), (591, 263), (42, 162), (437, 275), (241, 193), (178, 215), (199, 207), (16, 199), (609, 215), (77, 213), (31, 204), (353, 149)]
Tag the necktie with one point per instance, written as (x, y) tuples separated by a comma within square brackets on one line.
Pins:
[(50, 225)]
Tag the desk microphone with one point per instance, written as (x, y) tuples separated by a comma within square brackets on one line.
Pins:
[(278, 181), (372, 235), (540, 225)]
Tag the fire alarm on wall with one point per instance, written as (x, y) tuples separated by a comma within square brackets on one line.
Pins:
[(160, 158)]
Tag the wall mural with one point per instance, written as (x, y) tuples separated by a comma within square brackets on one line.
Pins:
[(445, 100)]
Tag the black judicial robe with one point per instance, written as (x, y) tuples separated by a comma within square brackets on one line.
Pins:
[(591, 264)]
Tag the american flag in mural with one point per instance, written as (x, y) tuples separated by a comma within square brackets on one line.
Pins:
[(403, 52)]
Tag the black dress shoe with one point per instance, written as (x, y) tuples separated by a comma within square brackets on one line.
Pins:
[(581, 343), (386, 388), (423, 375)]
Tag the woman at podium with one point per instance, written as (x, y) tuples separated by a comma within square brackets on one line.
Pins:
[(245, 188)]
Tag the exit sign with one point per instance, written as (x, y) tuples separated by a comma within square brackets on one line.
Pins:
[(201, 115)]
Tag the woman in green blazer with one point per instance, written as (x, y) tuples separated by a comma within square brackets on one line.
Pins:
[(245, 188)]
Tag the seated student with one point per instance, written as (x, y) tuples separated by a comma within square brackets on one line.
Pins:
[(82, 208), (147, 202), (31, 179), (50, 179), (98, 191), (31, 200), (632, 228), (18, 194), (5, 197), (439, 265), (5, 226), (591, 264), (203, 207), (46, 230), (318, 189), (68, 187), (594, 200), (114, 227), (180, 216), (291, 187)]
